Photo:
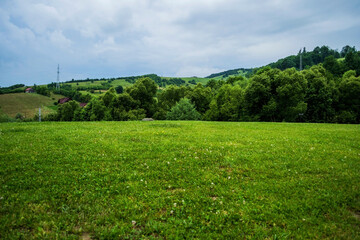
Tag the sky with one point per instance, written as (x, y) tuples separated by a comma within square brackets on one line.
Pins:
[(175, 38)]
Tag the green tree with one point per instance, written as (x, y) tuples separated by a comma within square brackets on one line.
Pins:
[(119, 89), (66, 110), (290, 95), (144, 91), (352, 62), (183, 110), (42, 90), (109, 97), (95, 110), (122, 105), (80, 114), (170, 96), (333, 66), (349, 97), (262, 88), (347, 49), (201, 97), (319, 95), (227, 105)]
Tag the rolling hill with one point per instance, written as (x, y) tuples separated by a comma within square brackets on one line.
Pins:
[(27, 104), (245, 72)]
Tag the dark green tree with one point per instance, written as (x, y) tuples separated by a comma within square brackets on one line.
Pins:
[(201, 97), (352, 62), (319, 95), (258, 94), (124, 108), (119, 89), (109, 97), (170, 96), (227, 105), (96, 110), (144, 91), (349, 98), (66, 110), (347, 49), (290, 95), (333, 66)]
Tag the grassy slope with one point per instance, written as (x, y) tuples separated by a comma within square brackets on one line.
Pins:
[(179, 179), (125, 84), (225, 75), (26, 103)]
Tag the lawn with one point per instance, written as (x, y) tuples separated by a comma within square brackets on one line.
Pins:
[(166, 180)]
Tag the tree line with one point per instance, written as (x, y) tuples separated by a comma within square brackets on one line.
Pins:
[(327, 92)]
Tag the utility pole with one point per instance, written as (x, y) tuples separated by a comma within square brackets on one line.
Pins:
[(58, 78), (39, 114), (301, 60)]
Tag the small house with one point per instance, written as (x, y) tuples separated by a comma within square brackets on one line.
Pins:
[(83, 104), (29, 90), (64, 100)]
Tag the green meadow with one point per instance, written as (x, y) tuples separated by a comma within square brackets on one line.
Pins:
[(27, 104), (176, 180)]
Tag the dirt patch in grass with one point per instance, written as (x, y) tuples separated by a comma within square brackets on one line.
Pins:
[(356, 214), (85, 236)]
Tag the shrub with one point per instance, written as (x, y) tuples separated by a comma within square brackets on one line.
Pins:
[(183, 110), (19, 116), (346, 117)]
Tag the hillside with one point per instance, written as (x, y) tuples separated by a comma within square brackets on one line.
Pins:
[(106, 83), (309, 59), (245, 72), (27, 104)]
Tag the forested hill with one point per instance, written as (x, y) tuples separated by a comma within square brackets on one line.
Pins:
[(245, 72), (309, 59)]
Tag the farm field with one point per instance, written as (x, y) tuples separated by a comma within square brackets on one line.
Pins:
[(172, 179), (27, 103)]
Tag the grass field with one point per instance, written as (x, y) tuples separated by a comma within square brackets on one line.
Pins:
[(125, 84), (27, 104), (86, 84), (162, 179)]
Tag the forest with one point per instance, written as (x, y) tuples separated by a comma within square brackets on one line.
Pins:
[(326, 92)]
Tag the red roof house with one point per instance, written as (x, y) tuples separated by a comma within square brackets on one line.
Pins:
[(29, 90), (64, 100)]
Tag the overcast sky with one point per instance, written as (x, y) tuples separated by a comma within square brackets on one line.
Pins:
[(113, 38)]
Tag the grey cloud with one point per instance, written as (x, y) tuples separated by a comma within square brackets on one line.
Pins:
[(175, 38)]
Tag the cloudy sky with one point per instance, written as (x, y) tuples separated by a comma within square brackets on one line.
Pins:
[(113, 38)]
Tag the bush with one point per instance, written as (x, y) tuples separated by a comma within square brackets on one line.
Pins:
[(346, 117), (6, 118), (51, 117), (19, 116), (183, 110)]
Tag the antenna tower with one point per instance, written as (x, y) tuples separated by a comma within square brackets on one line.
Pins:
[(58, 78), (301, 60)]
